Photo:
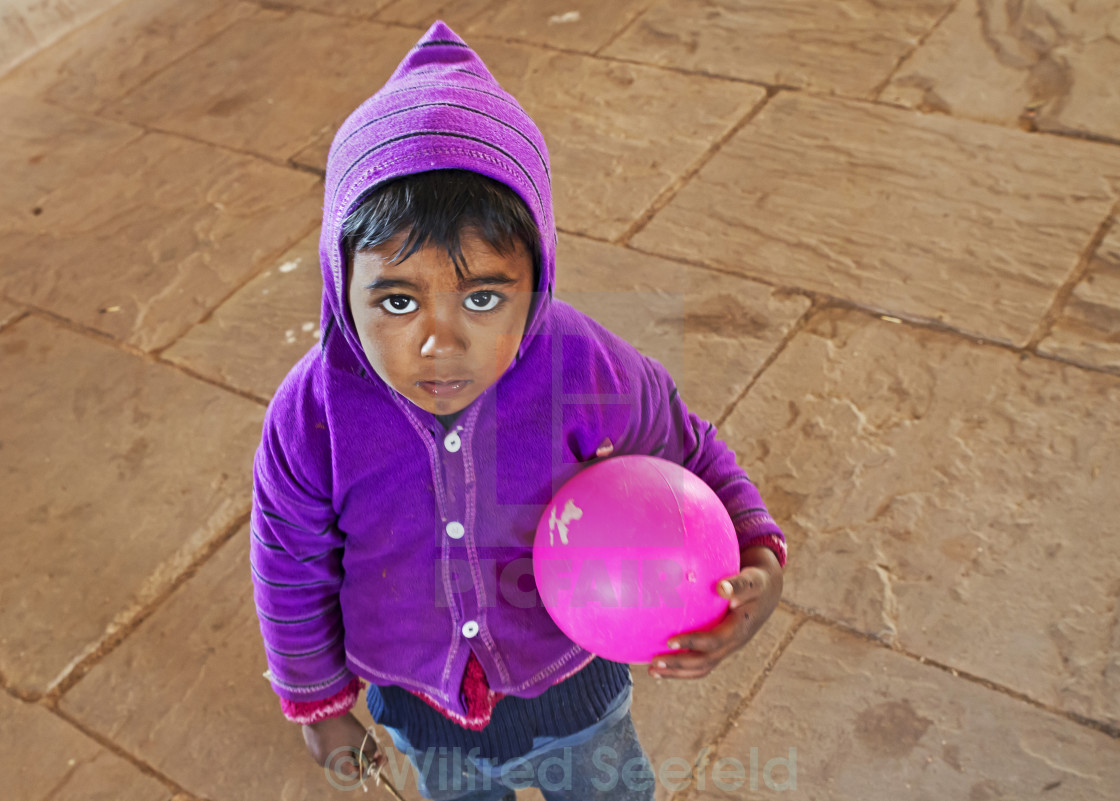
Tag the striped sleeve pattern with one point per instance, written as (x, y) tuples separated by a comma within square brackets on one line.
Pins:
[(296, 563), (674, 433)]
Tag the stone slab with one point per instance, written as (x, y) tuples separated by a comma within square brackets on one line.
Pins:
[(618, 134), (250, 87), (1050, 64), (422, 13), (359, 9), (314, 155), (45, 757), (8, 312), (255, 337), (711, 331), (147, 235), (580, 25), (923, 216), (958, 500), (17, 40), (46, 20), (44, 148), (677, 719), (185, 694), (847, 48), (866, 723), (1088, 330), (120, 49), (29, 25), (117, 472)]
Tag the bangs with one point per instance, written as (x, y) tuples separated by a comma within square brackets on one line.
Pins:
[(437, 209)]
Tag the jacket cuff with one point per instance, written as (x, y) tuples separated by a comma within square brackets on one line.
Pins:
[(775, 542), (307, 712)]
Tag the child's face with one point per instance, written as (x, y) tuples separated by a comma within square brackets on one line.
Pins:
[(439, 340)]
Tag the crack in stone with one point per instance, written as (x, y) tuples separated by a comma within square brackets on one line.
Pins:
[(73, 765), (153, 591), (1046, 757)]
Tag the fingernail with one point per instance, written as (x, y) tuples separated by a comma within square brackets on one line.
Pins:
[(673, 644), (656, 676), (659, 665), (725, 588)]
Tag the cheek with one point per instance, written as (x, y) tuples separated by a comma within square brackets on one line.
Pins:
[(508, 340), (379, 342), (504, 350)]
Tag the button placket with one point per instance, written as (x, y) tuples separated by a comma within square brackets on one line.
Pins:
[(458, 487), (453, 443)]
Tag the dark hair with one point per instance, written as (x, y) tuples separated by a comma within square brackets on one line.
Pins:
[(435, 208)]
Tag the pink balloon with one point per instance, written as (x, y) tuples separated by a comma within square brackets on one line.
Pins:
[(629, 553)]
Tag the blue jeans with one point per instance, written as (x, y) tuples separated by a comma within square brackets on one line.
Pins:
[(604, 761)]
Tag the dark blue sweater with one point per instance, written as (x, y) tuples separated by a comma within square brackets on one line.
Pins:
[(563, 709)]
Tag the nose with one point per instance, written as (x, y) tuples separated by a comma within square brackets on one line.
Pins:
[(443, 339)]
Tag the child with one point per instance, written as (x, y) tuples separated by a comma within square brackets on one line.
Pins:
[(406, 460)]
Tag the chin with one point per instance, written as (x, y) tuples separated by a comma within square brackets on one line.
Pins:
[(448, 406), (441, 405)]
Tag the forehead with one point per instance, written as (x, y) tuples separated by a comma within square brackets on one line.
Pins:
[(434, 263)]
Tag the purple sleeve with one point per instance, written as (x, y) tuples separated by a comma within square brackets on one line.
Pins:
[(667, 429), (296, 562)]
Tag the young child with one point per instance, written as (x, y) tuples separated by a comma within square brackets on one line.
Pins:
[(406, 460)]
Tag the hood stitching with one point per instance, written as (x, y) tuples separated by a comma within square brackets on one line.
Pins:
[(354, 164), (445, 104)]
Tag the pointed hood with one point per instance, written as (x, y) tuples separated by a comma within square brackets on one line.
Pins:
[(441, 109)]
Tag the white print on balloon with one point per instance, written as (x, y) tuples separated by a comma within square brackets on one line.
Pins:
[(571, 512)]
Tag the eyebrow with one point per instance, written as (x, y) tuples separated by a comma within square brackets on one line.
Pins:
[(473, 281), (482, 280), (391, 283)]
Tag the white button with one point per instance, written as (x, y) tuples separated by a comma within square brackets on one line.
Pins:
[(452, 442), (470, 628), (455, 530)]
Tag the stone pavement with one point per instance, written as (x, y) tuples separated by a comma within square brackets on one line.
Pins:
[(877, 241)]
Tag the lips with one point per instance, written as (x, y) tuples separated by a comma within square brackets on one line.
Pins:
[(445, 389)]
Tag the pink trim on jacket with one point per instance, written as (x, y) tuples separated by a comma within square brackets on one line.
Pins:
[(478, 696), (308, 712), (774, 543)]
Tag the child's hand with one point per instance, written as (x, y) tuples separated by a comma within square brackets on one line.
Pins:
[(336, 742), (754, 595)]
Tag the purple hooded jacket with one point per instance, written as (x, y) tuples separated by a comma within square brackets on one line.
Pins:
[(386, 547)]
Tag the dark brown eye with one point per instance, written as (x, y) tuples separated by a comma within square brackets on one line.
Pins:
[(483, 301), (399, 304)]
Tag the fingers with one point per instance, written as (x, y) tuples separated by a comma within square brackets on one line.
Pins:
[(372, 755), (379, 758), (697, 669), (343, 762), (687, 664), (742, 588), (752, 594), (721, 637), (606, 448), (354, 763), (700, 651)]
